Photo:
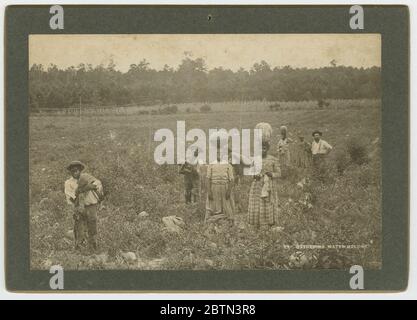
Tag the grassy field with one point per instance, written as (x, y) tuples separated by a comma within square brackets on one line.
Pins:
[(118, 150)]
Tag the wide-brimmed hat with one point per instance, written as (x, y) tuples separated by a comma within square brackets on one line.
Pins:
[(317, 131), (76, 164)]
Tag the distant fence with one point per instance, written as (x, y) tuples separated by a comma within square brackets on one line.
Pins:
[(230, 106), (87, 110)]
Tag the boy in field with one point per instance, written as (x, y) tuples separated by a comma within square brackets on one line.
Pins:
[(191, 180), (84, 193)]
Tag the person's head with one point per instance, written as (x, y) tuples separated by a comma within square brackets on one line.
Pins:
[(317, 135), (300, 136), (75, 168), (283, 130), (265, 148)]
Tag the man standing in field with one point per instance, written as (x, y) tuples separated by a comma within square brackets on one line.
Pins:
[(319, 150), (84, 193)]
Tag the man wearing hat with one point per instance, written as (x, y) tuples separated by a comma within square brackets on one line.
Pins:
[(319, 150), (83, 192)]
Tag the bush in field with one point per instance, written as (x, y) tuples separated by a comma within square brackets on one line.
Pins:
[(169, 110), (321, 103), (205, 108), (342, 161), (357, 151), (274, 107)]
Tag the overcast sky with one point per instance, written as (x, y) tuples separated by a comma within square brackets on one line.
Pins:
[(226, 50)]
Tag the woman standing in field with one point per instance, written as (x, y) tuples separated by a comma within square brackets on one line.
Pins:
[(303, 153), (284, 151), (220, 181), (263, 197)]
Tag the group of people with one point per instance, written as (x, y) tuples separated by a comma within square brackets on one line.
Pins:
[(218, 181)]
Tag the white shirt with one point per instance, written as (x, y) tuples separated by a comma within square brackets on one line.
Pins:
[(70, 186), (89, 197), (321, 147)]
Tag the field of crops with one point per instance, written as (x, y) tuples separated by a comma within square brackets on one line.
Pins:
[(343, 216)]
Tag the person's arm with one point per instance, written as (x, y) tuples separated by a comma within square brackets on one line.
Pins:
[(185, 169), (328, 147), (99, 186), (276, 171), (69, 193), (87, 187)]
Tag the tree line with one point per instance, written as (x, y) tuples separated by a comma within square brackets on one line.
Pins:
[(192, 81)]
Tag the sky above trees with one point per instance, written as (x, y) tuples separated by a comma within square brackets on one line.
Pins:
[(229, 51)]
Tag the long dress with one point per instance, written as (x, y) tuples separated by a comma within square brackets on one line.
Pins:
[(264, 210), (220, 175), (303, 154), (283, 149)]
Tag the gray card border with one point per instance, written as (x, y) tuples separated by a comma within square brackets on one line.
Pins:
[(392, 22)]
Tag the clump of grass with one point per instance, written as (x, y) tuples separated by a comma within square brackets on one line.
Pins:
[(357, 151), (342, 162)]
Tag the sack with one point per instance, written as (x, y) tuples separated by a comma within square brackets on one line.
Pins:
[(99, 194), (86, 178)]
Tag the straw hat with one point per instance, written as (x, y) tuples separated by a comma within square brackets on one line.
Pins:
[(76, 164)]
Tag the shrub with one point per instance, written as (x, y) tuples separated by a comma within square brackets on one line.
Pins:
[(168, 110), (342, 162), (357, 152), (205, 108), (274, 107)]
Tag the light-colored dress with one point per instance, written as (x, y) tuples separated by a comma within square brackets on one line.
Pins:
[(264, 210), (221, 176)]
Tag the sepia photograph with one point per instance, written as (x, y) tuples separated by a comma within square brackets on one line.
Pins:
[(205, 151)]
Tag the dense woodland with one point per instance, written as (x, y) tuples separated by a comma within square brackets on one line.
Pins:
[(192, 81)]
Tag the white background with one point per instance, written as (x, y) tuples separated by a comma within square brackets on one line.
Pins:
[(410, 293)]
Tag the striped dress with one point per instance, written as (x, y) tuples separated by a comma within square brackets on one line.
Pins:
[(264, 210), (221, 176)]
